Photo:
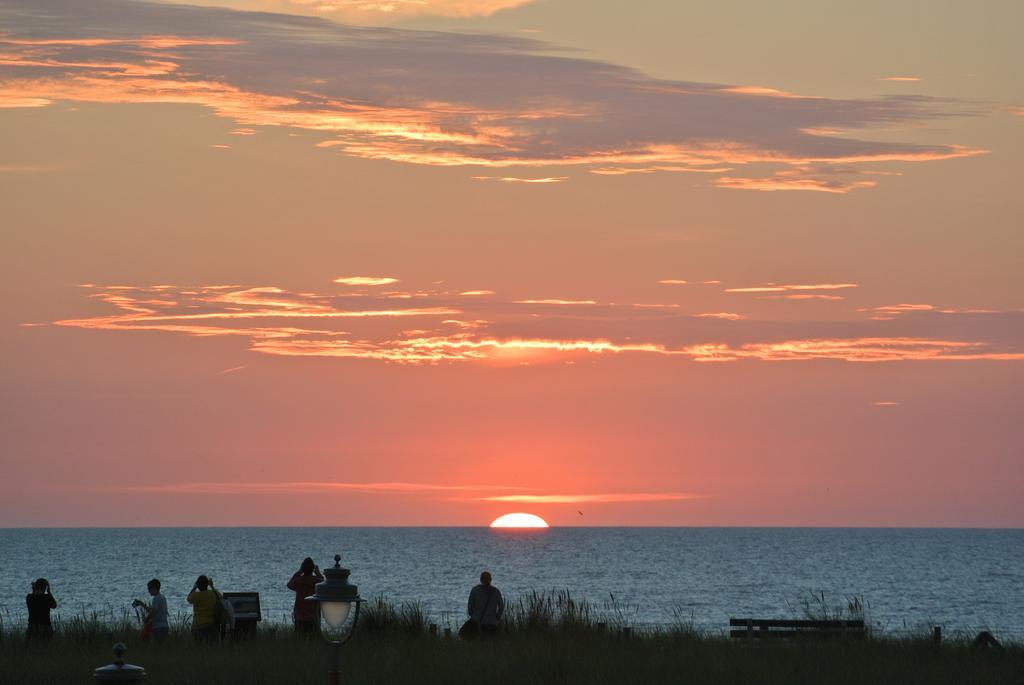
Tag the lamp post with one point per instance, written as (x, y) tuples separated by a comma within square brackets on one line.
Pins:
[(337, 597), (119, 671)]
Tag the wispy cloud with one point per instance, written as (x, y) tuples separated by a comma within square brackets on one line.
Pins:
[(900, 78), (658, 168), (517, 179), (556, 302), (414, 97), (25, 168), (233, 369), (855, 350), (786, 181), (804, 296), (365, 280), (603, 498), (486, 330), (779, 288), (374, 12), (672, 281), (724, 316), (894, 308), (300, 487)]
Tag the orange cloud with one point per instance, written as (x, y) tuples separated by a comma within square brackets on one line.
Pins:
[(672, 281), (804, 296), (383, 11), (365, 280), (155, 42), (854, 350), (606, 498), (233, 369), (626, 171), (504, 337), (515, 179), (451, 348), (893, 308), (778, 182), (418, 106), (725, 316), (899, 78), (555, 302), (764, 92), (778, 288), (299, 487)]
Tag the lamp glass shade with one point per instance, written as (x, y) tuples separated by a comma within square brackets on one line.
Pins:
[(335, 614)]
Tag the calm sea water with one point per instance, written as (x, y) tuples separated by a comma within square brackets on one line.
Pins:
[(963, 580)]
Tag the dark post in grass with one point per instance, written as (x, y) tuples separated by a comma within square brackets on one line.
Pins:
[(119, 671), (336, 597), (937, 635)]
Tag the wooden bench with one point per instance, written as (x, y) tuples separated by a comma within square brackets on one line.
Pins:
[(793, 628)]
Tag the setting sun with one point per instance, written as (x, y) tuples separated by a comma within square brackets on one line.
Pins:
[(519, 520)]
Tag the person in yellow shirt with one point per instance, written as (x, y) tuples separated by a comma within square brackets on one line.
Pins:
[(203, 599)]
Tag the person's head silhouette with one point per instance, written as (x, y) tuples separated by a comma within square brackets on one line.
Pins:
[(485, 578)]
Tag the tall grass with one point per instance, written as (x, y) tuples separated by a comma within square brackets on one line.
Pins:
[(380, 616), (540, 654), (546, 638)]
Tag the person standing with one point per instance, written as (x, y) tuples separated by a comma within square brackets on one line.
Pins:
[(204, 599), (156, 612), (306, 613), (486, 605), (40, 602)]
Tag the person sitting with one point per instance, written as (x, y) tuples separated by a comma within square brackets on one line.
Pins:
[(155, 619), (486, 605), (204, 599), (40, 602), (306, 613)]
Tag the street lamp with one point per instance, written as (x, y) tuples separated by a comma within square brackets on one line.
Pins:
[(337, 597), (119, 671)]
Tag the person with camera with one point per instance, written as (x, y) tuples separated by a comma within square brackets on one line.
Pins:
[(40, 602), (205, 601), (306, 613), (155, 623)]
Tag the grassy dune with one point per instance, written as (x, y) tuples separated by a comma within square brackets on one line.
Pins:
[(556, 657), (549, 639)]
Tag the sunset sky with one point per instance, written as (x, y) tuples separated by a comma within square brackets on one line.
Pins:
[(356, 262)]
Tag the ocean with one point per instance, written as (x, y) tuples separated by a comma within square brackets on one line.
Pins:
[(964, 580)]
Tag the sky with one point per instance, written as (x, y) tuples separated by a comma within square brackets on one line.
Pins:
[(349, 262)]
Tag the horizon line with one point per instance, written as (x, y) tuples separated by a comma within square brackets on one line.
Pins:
[(551, 527)]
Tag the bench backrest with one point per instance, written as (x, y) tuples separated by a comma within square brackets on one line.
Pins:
[(784, 627)]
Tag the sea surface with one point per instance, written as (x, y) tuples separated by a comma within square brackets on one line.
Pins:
[(909, 580)]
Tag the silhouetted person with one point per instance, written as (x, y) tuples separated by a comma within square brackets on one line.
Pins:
[(486, 605), (306, 613), (986, 640), (40, 602), (156, 612), (204, 600)]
